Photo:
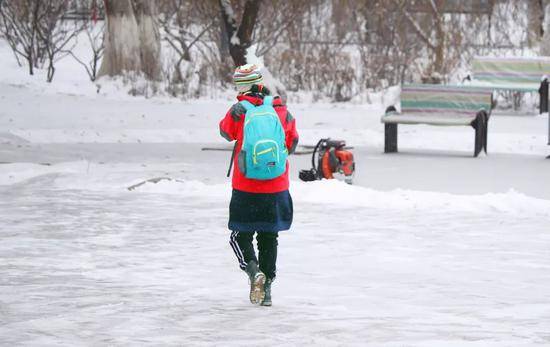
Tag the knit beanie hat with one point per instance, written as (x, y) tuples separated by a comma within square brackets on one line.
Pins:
[(246, 76)]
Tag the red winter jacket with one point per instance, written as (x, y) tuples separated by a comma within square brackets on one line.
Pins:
[(231, 128)]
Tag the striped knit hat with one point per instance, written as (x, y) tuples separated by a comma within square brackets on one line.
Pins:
[(247, 75)]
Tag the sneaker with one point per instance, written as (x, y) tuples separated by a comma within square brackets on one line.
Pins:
[(267, 290), (257, 282)]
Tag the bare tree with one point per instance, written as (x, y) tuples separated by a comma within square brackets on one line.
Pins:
[(308, 56), (55, 34), (20, 28), (95, 34), (277, 17), (36, 32), (444, 28), (239, 36), (334, 48), (436, 39), (387, 48), (184, 26)]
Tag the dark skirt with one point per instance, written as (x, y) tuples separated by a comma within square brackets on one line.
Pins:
[(261, 212)]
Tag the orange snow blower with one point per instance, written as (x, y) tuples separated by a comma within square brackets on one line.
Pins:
[(330, 157)]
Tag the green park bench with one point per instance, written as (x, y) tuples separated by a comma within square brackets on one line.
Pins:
[(441, 105), (517, 74)]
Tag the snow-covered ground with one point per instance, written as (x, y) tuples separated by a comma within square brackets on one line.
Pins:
[(430, 247)]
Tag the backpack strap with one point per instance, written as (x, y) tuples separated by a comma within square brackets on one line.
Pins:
[(247, 105), (268, 100)]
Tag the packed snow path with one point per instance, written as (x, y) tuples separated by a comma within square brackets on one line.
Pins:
[(153, 266)]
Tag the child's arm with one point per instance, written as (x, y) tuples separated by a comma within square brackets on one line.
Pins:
[(229, 124), (291, 133)]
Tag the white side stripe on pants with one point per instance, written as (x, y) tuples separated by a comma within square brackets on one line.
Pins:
[(235, 245)]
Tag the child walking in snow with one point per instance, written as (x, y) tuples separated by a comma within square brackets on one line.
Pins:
[(261, 204)]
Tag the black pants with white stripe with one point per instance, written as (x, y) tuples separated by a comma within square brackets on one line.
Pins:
[(242, 244)]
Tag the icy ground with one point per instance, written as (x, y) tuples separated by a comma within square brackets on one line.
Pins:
[(431, 247), (108, 267)]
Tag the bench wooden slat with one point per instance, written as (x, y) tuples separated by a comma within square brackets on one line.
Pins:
[(441, 102), (515, 73), (525, 88), (431, 119), (418, 105)]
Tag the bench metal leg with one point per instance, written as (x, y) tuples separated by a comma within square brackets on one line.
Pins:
[(485, 131), (543, 92), (390, 138), (479, 125), (516, 97)]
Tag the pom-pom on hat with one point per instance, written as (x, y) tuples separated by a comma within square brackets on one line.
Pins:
[(246, 76)]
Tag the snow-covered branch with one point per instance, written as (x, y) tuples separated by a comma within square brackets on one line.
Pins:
[(239, 36), (418, 30)]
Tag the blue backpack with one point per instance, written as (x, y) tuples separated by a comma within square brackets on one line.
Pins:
[(263, 153)]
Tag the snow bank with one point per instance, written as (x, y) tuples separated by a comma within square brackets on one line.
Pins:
[(332, 193), (336, 194), (341, 194)]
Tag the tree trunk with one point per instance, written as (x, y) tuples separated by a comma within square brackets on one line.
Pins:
[(340, 17), (122, 44), (51, 72), (239, 37), (30, 62), (545, 45), (149, 38), (440, 36), (535, 17), (439, 61)]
